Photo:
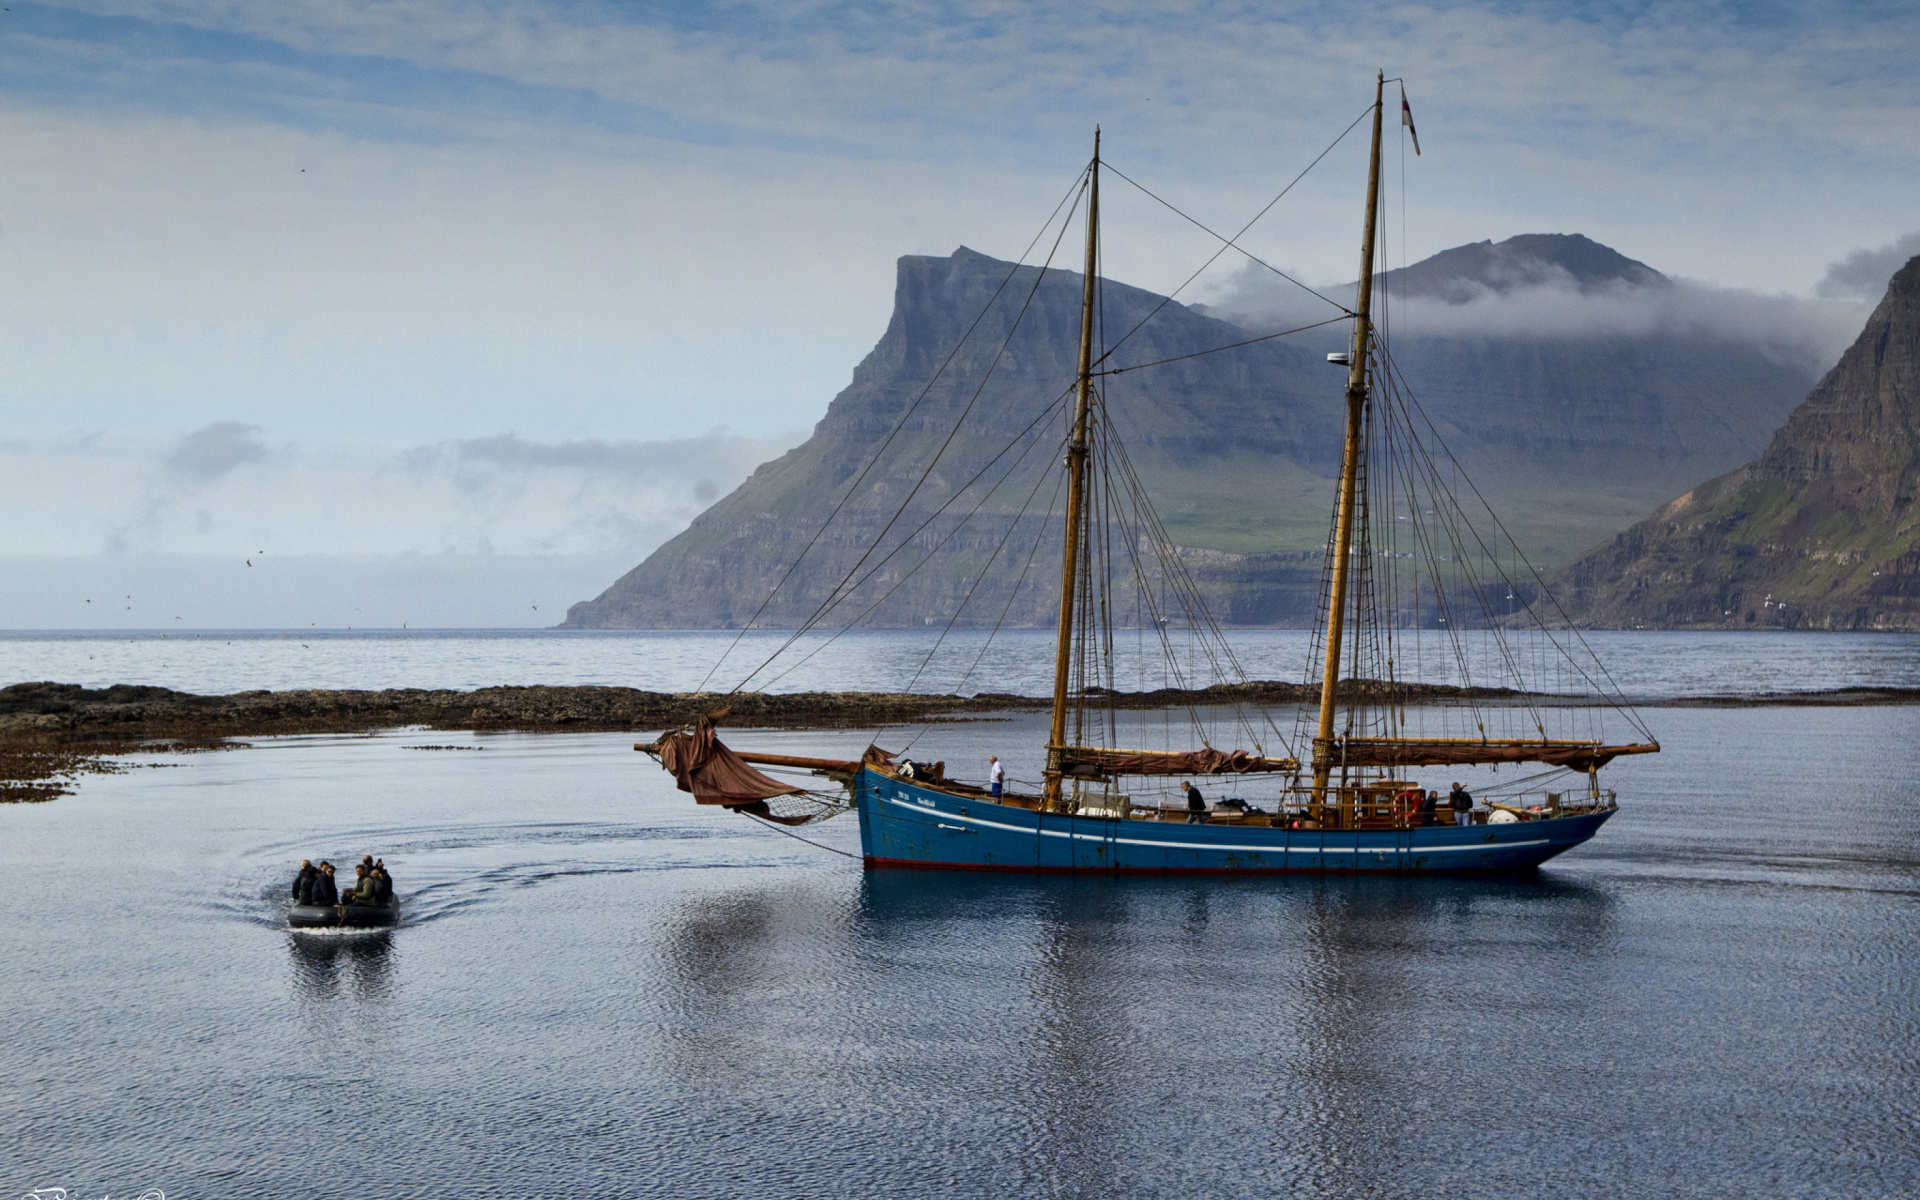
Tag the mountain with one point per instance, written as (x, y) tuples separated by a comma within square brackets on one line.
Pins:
[(1572, 438), (1466, 273), (1820, 532)]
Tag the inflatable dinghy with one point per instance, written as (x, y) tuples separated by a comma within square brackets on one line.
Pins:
[(322, 916)]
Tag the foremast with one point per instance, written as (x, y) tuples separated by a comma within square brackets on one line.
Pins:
[(1076, 465), (1323, 743)]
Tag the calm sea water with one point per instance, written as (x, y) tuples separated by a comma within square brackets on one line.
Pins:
[(1020, 662), (602, 990)]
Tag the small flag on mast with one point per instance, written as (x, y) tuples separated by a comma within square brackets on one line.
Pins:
[(1406, 118)]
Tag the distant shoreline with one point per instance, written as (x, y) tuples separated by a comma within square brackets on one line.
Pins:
[(51, 733)]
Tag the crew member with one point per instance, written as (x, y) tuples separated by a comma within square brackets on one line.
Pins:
[(996, 775), (363, 885), (1196, 805), (325, 892), (1462, 802)]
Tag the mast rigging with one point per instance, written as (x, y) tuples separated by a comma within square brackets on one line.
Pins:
[(1323, 748)]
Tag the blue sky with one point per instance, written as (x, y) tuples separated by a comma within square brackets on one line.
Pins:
[(371, 231)]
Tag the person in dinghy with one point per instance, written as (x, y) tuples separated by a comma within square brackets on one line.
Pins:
[(318, 903)]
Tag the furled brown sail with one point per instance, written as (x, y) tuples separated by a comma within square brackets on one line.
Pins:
[(1092, 760), (1414, 752), (702, 764)]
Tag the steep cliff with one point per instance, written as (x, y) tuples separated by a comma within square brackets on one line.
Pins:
[(1572, 438), (1821, 531)]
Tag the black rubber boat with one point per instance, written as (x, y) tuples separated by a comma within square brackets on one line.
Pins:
[(322, 916)]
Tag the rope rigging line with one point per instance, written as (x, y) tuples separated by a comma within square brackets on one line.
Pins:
[(1217, 349), (1463, 557), (1445, 540), (1059, 481), (1232, 242), (1185, 589), (1078, 186), (1025, 507), (913, 570), (844, 590), (796, 837), (1183, 594), (836, 593), (1611, 689), (907, 541)]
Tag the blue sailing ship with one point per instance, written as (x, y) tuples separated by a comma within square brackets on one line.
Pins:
[(1406, 564)]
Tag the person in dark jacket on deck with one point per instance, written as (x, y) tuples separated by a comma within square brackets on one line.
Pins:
[(1461, 801), (1429, 807), (1196, 805), (303, 882), (325, 893)]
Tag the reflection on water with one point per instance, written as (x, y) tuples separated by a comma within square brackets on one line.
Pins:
[(1311, 1030), (721, 950), (331, 965), (603, 989)]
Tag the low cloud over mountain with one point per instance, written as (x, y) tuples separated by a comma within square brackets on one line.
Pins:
[(1863, 275), (1568, 286)]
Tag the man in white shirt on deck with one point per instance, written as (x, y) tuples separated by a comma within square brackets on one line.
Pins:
[(996, 775)]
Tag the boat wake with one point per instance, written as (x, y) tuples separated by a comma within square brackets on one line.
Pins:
[(440, 872)]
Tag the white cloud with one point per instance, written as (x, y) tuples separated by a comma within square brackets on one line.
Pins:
[(1810, 334), (208, 453), (1719, 129), (324, 233), (232, 496), (170, 273), (1863, 275), (875, 74), (228, 527)]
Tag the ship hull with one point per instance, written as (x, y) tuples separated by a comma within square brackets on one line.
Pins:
[(905, 825)]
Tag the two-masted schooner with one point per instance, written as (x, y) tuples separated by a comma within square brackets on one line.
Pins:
[(1412, 579)]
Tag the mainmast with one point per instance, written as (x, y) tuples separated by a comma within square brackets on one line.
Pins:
[(1076, 489), (1323, 749)]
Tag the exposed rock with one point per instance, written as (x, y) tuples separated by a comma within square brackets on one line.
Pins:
[(66, 714), (52, 733), (1820, 532)]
